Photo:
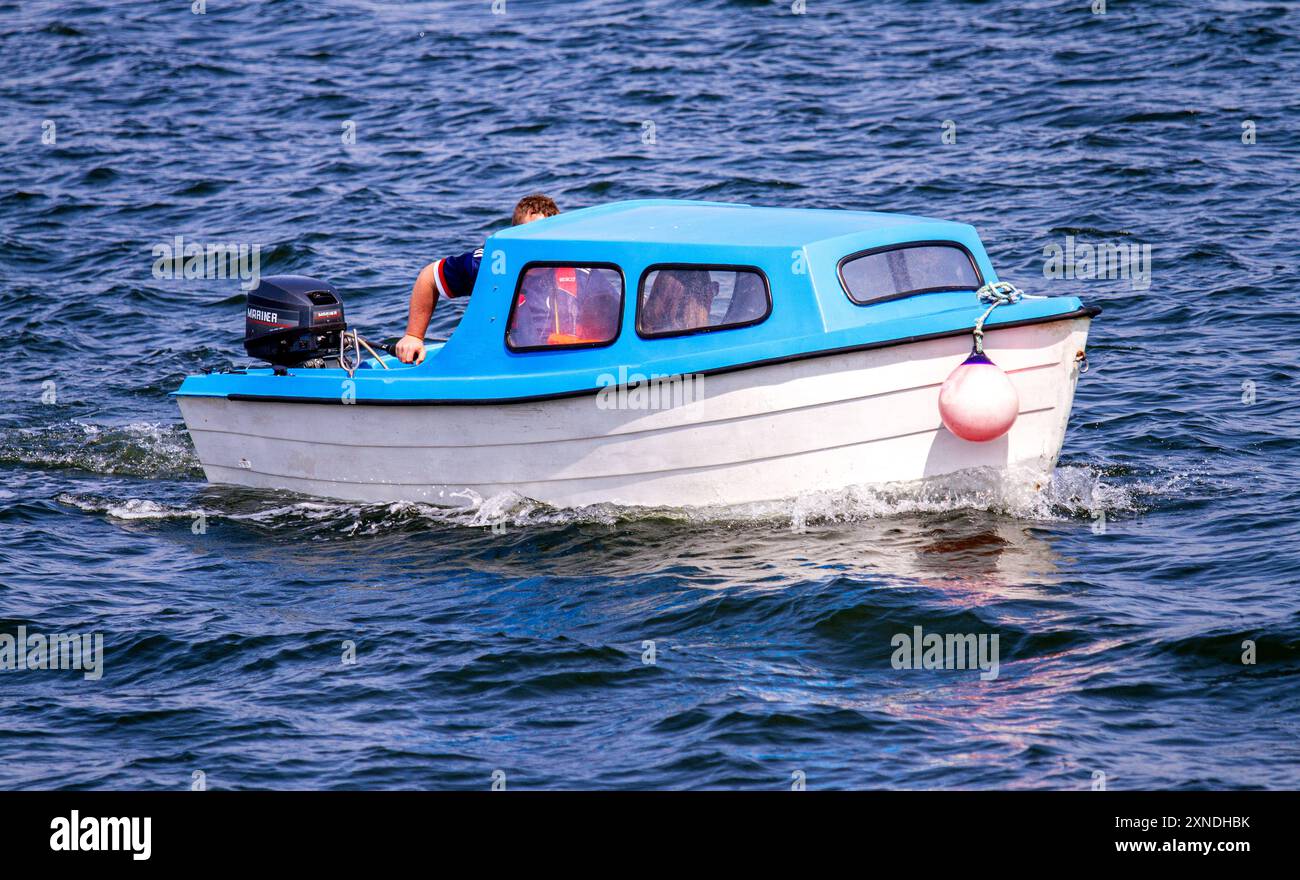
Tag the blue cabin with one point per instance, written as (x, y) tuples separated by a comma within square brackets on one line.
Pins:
[(658, 288)]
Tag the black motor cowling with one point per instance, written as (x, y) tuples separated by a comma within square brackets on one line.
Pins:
[(291, 319)]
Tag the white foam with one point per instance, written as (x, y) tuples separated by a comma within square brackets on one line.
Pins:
[(143, 449), (1073, 492), (130, 508)]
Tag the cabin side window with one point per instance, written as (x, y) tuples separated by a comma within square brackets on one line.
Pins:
[(903, 270), (565, 306), (678, 299)]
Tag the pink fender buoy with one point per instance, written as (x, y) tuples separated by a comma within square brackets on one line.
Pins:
[(977, 401)]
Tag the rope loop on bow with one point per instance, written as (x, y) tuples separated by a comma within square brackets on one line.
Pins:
[(996, 293)]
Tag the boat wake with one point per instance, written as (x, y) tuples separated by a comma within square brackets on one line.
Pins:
[(159, 451), (140, 449), (1074, 492)]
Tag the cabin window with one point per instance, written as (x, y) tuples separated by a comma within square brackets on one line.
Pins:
[(673, 300), (560, 305), (898, 271)]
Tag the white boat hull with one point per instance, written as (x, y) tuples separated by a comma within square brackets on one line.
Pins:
[(754, 434)]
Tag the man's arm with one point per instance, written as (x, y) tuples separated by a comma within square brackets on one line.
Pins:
[(451, 277), (424, 296)]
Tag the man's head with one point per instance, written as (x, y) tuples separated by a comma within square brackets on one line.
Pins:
[(534, 207)]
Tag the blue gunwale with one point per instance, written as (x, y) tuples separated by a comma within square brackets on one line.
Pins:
[(797, 249)]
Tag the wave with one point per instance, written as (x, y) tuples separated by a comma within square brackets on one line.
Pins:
[(140, 449), (1074, 492)]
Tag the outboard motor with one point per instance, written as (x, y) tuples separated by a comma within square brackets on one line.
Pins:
[(292, 319)]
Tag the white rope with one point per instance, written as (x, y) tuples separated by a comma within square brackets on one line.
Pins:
[(997, 293)]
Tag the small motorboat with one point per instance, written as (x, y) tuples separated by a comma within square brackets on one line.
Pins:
[(661, 353)]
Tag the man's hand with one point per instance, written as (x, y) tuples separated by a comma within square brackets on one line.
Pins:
[(410, 349)]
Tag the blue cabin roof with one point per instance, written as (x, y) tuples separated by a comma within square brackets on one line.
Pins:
[(691, 225), (797, 250)]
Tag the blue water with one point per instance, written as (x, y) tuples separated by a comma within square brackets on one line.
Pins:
[(1121, 595)]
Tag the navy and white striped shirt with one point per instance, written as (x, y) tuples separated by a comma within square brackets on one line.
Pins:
[(454, 276)]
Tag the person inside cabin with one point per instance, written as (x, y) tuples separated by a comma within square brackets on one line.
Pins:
[(454, 277), (702, 291), (564, 305), (679, 300)]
